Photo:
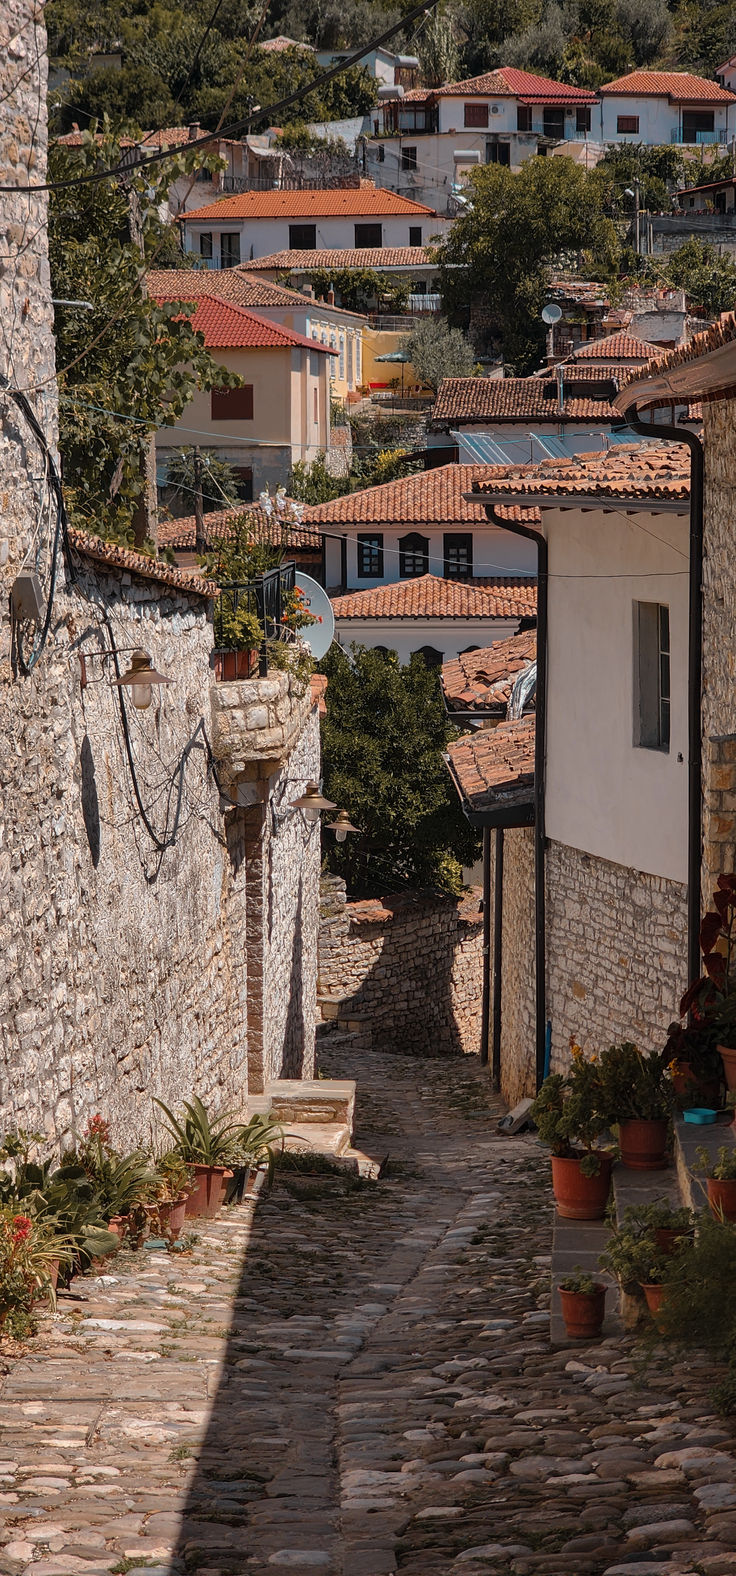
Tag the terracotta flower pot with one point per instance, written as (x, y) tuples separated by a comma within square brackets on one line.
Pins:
[(643, 1145), (667, 1239), (578, 1197), (231, 665), (583, 1312), (655, 1297), (208, 1193), (692, 1090), (728, 1057), (171, 1217), (118, 1225), (722, 1198)]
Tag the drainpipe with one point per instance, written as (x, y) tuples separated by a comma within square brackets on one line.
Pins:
[(485, 1015), (695, 665), (540, 760), (343, 564), (497, 960)]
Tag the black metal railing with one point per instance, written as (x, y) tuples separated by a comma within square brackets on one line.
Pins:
[(265, 597)]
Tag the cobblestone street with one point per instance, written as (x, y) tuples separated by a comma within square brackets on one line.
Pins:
[(355, 1378)]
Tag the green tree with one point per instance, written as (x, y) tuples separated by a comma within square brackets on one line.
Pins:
[(125, 367), (362, 289), (437, 47), (515, 228), (437, 351), (382, 751), (220, 483), (705, 274), (659, 171)]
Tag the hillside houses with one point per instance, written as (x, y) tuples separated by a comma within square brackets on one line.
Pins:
[(257, 224)]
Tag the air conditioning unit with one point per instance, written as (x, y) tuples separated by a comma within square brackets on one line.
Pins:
[(494, 109)]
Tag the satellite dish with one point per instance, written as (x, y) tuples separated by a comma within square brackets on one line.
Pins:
[(318, 637), (551, 313)]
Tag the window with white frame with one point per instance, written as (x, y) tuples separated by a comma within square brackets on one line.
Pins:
[(651, 676), (342, 358)]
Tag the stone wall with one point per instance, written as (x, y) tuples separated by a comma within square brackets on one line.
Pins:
[(409, 966), (719, 651), (518, 1045), (616, 953)]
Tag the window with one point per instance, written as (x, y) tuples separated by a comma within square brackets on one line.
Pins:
[(498, 153), (244, 474), (626, 124), (358, 359), (369, 235), (230, 249), (316, 407), (523, 117), (232, 404), (582, 118), (342, 358), (351, 371), (205, 244), (695, 121), (458, 555), (413, 556), (302, 237), (475, 115), (415, 234), (408, 158), (432, 657), (553, 121), (370, 555), (651, 676)]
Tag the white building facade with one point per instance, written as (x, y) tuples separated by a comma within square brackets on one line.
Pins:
[(257, 224)]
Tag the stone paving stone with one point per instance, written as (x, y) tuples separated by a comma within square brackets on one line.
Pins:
[(360, 1383)]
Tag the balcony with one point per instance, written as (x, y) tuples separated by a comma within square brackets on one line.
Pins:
[(700, 139), (256, 723)]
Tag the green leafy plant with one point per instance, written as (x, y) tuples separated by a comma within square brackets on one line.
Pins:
[(722, 1168), (238, 629), (567, 1113), (580, 1281), (700, 1310), (176, 1176), (634, 1085), (201, 1139), (661, 1216), (30, 1253), (632, 1255)]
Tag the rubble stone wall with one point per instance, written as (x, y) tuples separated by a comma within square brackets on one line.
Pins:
[(518, 996), (719, 621), (616, 953), (410, 967)]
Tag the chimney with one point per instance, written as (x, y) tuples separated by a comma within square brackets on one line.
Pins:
[(331, 296), (308, 289), (194, 130), (559, 369)]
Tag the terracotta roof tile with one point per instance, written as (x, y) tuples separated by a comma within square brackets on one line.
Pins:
[(514, 400), (507, 82), (630, 471), (123, 558), (332, 202), (276, 46), (614, 347), (721, 333), (494, 768), (429, 596), (181, 533), (434, 497), (227, 326), (680, 86), (482, 680), (236, 285), (346, 257)]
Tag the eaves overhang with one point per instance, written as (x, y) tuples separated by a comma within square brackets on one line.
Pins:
[(518, 813), (708, 376)]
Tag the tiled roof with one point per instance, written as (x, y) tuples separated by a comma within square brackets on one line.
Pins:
[(346, 257), (508, 82), (227, 326), (429, 596), (275, 46), (218, 526), (679, 86), (482, 680), (630, 471), (433, 497), (614, 347), (715, 380), (237, 285), (708, 186), (333, 202), (494, 768), (123, 558), (512, 400)]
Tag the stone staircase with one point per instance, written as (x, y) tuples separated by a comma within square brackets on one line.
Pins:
[(578, 1243), (316, 1114)]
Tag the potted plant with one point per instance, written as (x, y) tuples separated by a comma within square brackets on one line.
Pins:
[(668, 1225), (30, 1253), (257, 1142), (240, 635), (567, 1116), (638, 1095), (697, 1070), (720, 1179), (583, 1303), (168, 1209), (632, 1255), (710, 1001), (211, 1146), (63, 1199)]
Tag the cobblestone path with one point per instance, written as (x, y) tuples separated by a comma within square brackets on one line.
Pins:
[(359, 1381)]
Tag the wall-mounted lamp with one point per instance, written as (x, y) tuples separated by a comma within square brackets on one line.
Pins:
[(140, 679), (341, 826), (312, 802)]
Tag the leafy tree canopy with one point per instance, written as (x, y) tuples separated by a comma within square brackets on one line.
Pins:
[(706, 274), (220, 482), (437, 351), (126, 358), (516, 226), (382, 753), (361, 289)]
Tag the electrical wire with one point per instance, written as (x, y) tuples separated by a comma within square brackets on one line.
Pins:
[(261, 114)]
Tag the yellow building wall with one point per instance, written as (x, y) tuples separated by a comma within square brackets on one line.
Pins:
[(379, 374)]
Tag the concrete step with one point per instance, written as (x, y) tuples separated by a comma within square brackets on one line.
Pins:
[(313, 1100), (688, 1139), (327, 1138), (577, 1244)]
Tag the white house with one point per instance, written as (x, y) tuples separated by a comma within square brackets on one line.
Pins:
[(256, 223), (413, 527), (434, 617), (423, 143), (657, 107), (725, 75)]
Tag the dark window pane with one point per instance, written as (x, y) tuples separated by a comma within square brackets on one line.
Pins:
[(370, 555), (302, 237), (368, 235), (413, 556)]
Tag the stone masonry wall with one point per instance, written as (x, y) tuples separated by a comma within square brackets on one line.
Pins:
[(409, 966), (518, 1046), (719, 648), (616, 953)]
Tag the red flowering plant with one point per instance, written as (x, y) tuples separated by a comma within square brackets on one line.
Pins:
[(710, 1002), (30, 1253), (296, 614)]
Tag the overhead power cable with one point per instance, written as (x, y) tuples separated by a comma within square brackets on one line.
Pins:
[(270, 111)]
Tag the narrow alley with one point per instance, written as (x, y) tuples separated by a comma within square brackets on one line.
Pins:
[(355, 1378)]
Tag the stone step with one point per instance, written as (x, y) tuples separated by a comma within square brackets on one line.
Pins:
[(328, 1138), (688, 1139), (577, 1244), (313, 1100)]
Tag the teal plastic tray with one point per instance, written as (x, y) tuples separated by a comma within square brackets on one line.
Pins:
[(700, 1115)]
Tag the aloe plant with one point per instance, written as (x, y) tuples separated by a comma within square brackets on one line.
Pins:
[(201, 1139)]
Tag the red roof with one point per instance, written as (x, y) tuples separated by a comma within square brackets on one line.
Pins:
[(429, 596), (181, 533), (236, 285), (507, 81), (334, 202), (494, 768), (678, 86), (124, 558), (482, 680), (229, 327), (630, 471), (614, 347), (434, 497), (342, 257), (516, 400)]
